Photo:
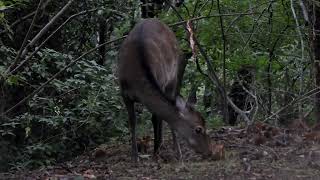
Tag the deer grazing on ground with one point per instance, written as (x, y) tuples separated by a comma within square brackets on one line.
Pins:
[(148, 67)]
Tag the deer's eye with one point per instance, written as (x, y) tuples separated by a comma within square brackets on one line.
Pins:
[(198, 130)]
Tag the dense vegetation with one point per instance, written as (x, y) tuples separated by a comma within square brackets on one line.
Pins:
[(59, 94)]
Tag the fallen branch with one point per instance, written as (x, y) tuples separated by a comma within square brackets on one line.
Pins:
[(306, 95)]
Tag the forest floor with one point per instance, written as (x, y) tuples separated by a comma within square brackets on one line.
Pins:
[(258, 152)]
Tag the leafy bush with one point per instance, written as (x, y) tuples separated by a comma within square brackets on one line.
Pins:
[(79, 110)]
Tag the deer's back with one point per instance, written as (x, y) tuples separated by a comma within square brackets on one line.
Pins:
[(150, 52)]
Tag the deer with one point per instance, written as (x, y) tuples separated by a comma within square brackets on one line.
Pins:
[(148, 73)]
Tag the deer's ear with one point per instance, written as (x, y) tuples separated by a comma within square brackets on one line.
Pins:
[(180, 103)]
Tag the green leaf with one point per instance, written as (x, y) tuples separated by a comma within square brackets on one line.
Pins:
[(28, 131), (13, 80)]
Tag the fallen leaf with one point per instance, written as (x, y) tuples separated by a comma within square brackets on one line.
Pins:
[(316, 127), (259, 139), (89, 174), (299, 125), (312, 136), (99, 153), (217, 151)]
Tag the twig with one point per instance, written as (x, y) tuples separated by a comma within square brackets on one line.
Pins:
[(308, 113), (256, 102), (69, 91), (264, 147), (199, 68), (195, 8), (204, 5), (204, 17), (6, 8), (187, 10), (254, 25), (211, 7), (248, 11), (239, 33), (17, 22)]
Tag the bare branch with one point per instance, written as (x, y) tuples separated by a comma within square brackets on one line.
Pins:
[(16, 60), (195, 8), (204, 17), (201, 8), (39, 47), (46, 28)]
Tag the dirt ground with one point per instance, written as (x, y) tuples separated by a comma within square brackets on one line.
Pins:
[(258, 152)]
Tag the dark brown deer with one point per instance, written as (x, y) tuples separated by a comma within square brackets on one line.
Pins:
[(148, 68)]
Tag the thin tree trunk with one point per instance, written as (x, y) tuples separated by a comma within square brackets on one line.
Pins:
[(2, 98), (102, 39), (269, 81), (316, 50), (284, 116), (269, 69), (105, 29), (207, 97), (182, 67)]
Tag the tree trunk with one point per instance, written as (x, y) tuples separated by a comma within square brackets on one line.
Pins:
[(316, 51), (269, 83), (2, 99), (207, 97), (102, 39), (182, 66)]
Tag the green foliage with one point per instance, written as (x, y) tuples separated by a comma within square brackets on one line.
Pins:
[(214, 122), (7, 5), (79, 110)]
